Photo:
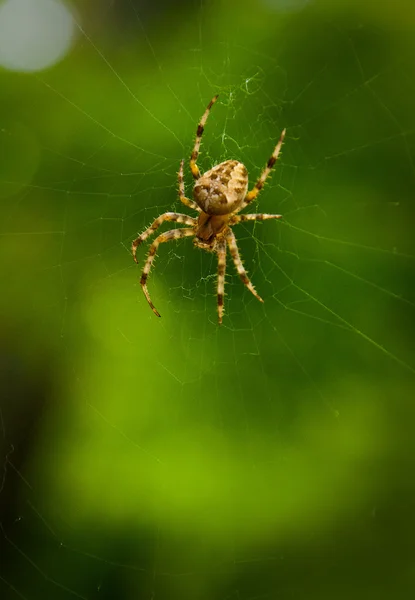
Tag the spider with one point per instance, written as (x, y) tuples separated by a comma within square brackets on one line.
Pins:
[(219, 195)]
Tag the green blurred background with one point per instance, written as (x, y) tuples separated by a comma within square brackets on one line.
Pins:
[(272, 457)]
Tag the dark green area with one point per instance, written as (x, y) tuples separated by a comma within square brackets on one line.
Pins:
[(272, 457)]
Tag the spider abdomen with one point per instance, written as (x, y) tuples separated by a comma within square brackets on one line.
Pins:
[(222, 189)]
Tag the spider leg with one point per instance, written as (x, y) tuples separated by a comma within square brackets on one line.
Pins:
[(233, 247), (221, 277), (251, 195), (255, 217), (200, 128), (182, 196), (169, 216), (173, 234)]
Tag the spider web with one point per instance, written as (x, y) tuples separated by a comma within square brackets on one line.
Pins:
[(164, 458)]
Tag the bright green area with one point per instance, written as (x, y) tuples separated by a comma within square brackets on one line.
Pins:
[(272, 457)]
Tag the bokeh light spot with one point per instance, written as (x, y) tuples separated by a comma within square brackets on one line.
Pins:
[(34, 35)]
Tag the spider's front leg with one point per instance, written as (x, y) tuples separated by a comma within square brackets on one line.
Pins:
[(169, 216), (173, 234), (233, 247), (221, 250), (254, 217)]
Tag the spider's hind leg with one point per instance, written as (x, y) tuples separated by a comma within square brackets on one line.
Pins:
[(200, 128), (186, 201), (251, 195)]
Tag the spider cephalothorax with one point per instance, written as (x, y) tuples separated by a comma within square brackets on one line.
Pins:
[(219, 194)]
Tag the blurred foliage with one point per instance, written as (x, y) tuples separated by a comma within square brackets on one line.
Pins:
[(171, 458)]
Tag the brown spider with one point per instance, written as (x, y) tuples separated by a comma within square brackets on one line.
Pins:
[(219, 194)]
